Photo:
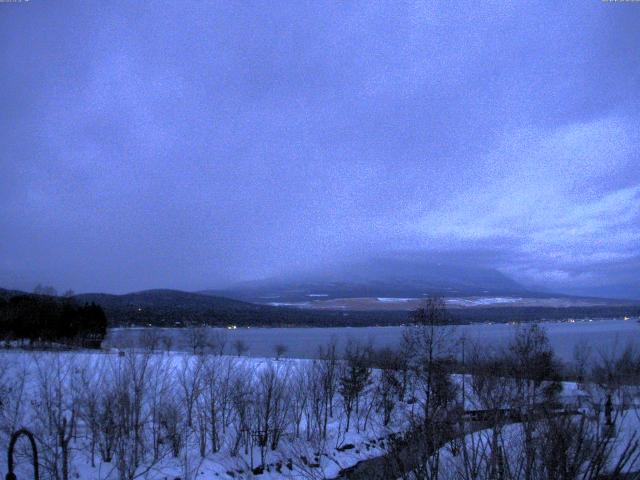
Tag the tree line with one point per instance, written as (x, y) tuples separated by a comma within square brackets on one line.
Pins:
[(45, 319)]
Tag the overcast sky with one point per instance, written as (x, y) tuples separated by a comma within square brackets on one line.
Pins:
[(192, 144)]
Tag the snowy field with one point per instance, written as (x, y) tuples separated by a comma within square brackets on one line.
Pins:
[(172, 415), (196, 417), (600, 335)]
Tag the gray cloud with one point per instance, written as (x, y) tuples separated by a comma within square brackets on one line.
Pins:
[(191, 145)]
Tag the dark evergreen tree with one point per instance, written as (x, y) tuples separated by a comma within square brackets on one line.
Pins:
[(39, 318)]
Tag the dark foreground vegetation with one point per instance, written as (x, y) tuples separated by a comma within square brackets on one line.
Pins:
[(47, 320)]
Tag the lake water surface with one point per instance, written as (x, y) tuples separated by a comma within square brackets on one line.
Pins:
[(602, 336)]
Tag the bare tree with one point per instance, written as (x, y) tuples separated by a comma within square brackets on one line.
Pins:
[(280, 349), (582, 356), (430, 344), (317, 406), (490, 397), (162, 383), (215, 402), (271, 407), (616, 374), (354, 377), (56, 412), (189, 374), (167, 342), (13, 381), (91, 391), (198, 339), (217, 340), (241, 347), (389, 381), (107, 422), (242, 394), (300, 378), (171, 419), (150, 339), (534, 371), (328, 369), (533, 365), (130, 374)]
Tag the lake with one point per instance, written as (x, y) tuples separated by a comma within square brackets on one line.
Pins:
[(601, 336)]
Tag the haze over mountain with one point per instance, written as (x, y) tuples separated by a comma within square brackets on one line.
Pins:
[(400, 277), (378, 277)]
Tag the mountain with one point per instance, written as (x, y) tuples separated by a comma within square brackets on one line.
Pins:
[(383, 277), (178, 308), (170, 308), (161, 298)]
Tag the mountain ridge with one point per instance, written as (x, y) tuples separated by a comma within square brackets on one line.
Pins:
[(176, 308), (380, 277)]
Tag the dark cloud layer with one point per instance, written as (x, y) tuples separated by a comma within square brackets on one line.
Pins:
[(189, 145)]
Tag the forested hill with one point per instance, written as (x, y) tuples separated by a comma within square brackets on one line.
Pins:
[(164, 298), (178, 308), (173, 308)]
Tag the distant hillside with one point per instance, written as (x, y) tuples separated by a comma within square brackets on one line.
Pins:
[(162, 298), (172, 308), (383, 277), (5, 294), (177, 308)]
